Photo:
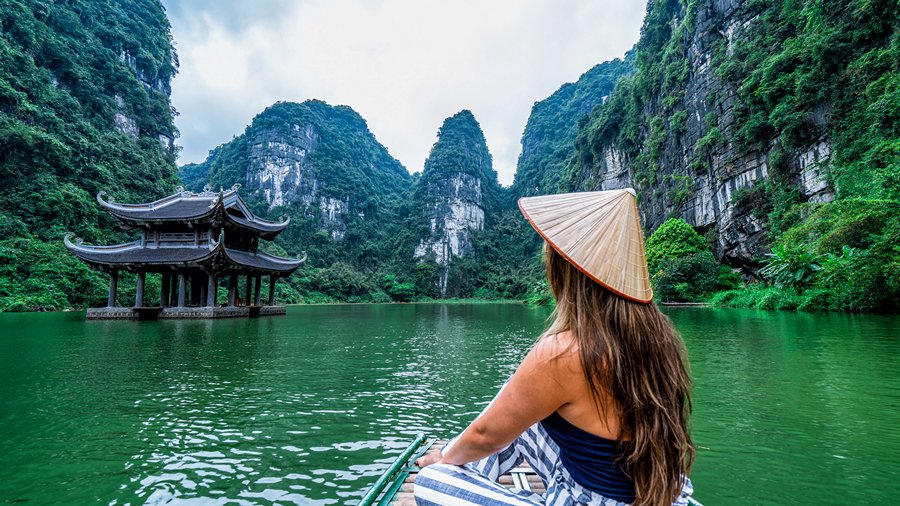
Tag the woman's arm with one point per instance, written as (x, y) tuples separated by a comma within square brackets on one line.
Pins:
[(534, 392)]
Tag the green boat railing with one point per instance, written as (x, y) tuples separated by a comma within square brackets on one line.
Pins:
[(386, 485)]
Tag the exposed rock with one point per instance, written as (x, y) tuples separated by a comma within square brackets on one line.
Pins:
[(280, 166), (317, 163), (456, 211), (699, 172), (333, 211), (126, 124), (151, 83), (814, 164), (455, 193)]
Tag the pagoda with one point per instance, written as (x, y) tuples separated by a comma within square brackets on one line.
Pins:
[(192, 241)]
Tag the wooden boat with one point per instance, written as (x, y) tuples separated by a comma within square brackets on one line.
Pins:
[(395, 486)]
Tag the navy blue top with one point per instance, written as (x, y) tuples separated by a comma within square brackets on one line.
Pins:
[(590, 459)]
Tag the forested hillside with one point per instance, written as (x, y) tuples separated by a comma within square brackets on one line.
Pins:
[(84, 107), (456, 196), (371, 231), (549, 137)]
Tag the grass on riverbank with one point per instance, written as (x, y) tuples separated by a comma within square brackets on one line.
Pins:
[(422, 301)]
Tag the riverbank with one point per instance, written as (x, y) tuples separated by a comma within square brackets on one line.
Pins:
[(454, 301)]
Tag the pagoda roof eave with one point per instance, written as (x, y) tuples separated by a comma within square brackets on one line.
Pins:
[(264, 261), (184, 206), (216, 257), (266, 228)]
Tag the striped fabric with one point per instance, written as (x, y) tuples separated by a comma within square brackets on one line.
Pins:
[(477, 483)]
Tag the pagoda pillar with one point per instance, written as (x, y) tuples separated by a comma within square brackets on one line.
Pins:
[(256, 288), (211, 289), (190, 289), (181, 288), (165, 290), (272, 279), (204, 286), (249, 290), (139, 290), (232, 288), (113, 286), (173, 290)]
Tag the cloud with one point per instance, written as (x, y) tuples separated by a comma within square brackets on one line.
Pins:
[(404, 65)]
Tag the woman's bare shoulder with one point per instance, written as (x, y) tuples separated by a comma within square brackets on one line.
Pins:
[(559, 349)]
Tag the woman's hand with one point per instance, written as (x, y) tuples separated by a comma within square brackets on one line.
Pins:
[(432, 457)]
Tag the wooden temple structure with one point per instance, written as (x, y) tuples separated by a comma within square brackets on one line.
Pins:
[(193, 241)]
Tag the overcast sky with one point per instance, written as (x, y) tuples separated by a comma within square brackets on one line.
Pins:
[(404, 65)]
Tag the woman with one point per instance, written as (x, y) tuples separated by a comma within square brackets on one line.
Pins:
[(599, 407)]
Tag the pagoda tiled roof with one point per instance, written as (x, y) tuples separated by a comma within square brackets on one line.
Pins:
[(187, 206), (135, 254)]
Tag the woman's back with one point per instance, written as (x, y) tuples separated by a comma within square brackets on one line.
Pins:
[(601, 419)]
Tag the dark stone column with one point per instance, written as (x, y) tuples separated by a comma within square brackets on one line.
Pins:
[(272, 279), (113, 287), (188, 289), (181, 288), (173, 288), (232, 288), (211, 288), (249, 290), (256, 288), (139, 291), (165, 291), (203, 281)]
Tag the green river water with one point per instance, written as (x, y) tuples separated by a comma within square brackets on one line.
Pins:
[(309, 407)]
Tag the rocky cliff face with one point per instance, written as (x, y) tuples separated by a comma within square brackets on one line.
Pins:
[(280, 166), (677, 132), (156, 85), (76, 111), (455, 211), (457, 190)]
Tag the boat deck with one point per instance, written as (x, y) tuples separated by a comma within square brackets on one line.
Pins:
[(522, 477)]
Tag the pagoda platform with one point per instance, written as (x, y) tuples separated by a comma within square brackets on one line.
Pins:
[(181, 313)]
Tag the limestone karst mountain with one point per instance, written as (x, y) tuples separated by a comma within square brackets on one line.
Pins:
[(739, 110), (457, 193), (753, 121)]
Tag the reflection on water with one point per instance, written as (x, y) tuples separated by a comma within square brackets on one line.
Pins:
[(309, 408)]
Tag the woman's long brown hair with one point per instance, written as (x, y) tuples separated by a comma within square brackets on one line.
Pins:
[(630, 354)]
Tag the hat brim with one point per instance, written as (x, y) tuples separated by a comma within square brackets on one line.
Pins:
[(580, 268)]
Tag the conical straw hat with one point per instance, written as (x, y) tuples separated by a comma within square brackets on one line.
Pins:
[(598, 232)]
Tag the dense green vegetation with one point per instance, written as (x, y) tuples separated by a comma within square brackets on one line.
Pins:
[(682, 267), (845, 57), (67, 69), (458, 172), (843, 256), (388, 212), (341, 161)]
